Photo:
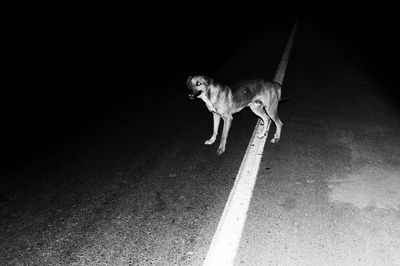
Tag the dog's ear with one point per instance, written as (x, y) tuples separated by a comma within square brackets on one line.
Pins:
[(189, 80), (207, 80)]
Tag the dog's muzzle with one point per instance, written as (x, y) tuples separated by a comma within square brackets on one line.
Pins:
[(194, 94)]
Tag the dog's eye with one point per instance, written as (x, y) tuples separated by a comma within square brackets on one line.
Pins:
[(198, 83)]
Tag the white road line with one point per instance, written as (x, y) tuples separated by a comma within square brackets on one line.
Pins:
[(281, 70), (226, 239)]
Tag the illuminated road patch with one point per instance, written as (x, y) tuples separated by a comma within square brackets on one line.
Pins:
[(372, 186)]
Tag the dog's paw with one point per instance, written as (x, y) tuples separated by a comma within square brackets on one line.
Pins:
[(210, 141), (275, 140), (220, 150)]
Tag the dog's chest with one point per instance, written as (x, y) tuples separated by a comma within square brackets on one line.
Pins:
[(211, 108), (210, 105)]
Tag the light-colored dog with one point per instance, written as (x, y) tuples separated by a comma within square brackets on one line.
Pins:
[(223, 101)]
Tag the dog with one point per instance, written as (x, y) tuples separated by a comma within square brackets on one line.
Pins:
[(223, 101)]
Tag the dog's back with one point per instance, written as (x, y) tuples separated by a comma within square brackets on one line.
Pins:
[(248, 91)]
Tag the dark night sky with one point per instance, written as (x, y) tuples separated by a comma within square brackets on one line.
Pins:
[(72, 65)]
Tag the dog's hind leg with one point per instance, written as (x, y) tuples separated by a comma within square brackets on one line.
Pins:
[(216, 119), (227, 125), (258, 109), (272, 111)]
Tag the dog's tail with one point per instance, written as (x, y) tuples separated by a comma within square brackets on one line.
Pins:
[(280, 72)]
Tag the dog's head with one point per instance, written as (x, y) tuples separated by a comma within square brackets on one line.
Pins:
[(197, 85)]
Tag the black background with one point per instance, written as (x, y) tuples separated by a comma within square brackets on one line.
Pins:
[(70, 67)]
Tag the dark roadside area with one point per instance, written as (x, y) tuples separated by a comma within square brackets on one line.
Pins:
[(101, 169)]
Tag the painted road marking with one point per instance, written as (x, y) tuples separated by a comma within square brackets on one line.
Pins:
[(226, 239), (281, 70)]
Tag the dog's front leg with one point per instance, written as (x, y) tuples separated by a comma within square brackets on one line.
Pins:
[(227, 126), (216, 119)]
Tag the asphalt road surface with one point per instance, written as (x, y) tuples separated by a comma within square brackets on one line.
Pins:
[(329, 193), (143, 189)]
